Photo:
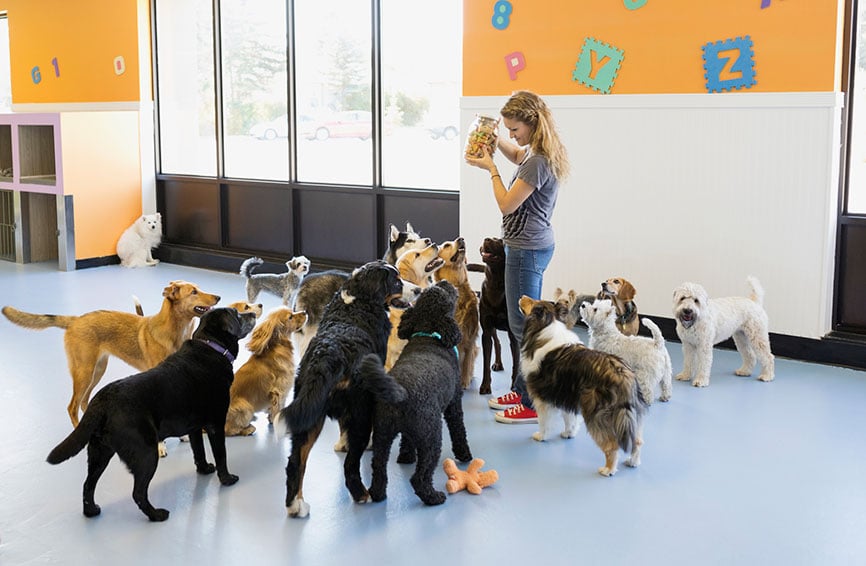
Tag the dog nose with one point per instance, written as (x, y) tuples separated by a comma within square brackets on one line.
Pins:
[(427, 241), (217, 297)]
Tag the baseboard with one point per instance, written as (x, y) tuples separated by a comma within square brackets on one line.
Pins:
[(97, 261), (231, 261)]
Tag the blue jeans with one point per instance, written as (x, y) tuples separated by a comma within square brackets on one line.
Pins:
[(524, 274)]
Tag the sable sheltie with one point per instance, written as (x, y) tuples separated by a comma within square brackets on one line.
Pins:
[(562, 374)]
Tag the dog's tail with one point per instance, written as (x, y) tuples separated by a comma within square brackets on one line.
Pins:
[(317, 376), (37, 321), (248, 265), (138, 310), (475, 267), (757, 293), (627, 418), (658, 338), (378, 382), (77, 439)]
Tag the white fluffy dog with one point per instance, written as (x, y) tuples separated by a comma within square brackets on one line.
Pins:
[(135, 244), (647, 357), (703, 322)]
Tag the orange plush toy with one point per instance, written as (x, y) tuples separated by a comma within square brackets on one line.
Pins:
[(472, 480)]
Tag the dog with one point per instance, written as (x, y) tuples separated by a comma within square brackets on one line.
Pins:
[(283, 285), (185, 393), (572, 301), (315, 292), (703, 322), (135, 245), (493, 312), (621, 293), (140, 341), (355, 323), (418, 267), (647, 357), (564, 375), (466, 311), (240, 306), (264, 381), (422, 387), (401, 241)]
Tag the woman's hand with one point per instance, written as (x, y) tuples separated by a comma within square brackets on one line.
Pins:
[(486, 162)]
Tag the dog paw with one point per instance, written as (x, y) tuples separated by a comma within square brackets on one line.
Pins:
[(205, 468), (683, 377), (701, 382), (743, 372), (364, 498), (434, 498), (299, 508), (377, 495), (567, 433), (497, 366), (538, 436), (228, 479), (484, 390), (163, 451), (606, 472), (664, 398), (92, 510), (158, 515), (766, 377), (632, 462)]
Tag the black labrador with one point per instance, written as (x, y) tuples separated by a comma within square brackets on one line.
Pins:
[(187, 392)]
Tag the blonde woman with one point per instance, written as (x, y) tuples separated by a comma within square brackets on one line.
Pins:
[(527, 204)]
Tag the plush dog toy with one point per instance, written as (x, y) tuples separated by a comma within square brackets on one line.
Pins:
[(472, 480)]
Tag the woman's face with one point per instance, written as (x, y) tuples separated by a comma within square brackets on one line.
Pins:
[(519, 131)]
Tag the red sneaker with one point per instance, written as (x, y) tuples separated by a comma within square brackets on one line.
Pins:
[(516, 415), (504, 401)]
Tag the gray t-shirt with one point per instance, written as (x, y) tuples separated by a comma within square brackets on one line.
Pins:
[(529, 226)]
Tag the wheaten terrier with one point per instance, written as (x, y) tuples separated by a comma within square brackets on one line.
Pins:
[(703, 322), (647, 357)]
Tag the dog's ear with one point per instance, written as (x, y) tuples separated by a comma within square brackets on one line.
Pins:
[(266, 334), (394, 233), (408, 322), (172, 292), (561, 311), (626, 290), (450, 332), (409, 228)]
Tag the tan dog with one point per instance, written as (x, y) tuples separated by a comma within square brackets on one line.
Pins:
[(140, 341), (466, 311), (621, 293), (264, 381), (418, 267)]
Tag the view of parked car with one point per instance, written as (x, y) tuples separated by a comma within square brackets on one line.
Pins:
[(345, 124)]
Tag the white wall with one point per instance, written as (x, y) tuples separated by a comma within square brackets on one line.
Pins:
[(707, 188)]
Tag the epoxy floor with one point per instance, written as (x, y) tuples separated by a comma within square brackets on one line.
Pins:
[(739, 473)]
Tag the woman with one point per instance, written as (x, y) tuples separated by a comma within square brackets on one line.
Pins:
[(527, 204)]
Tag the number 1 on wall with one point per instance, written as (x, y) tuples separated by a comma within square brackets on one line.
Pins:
[(56, 67)]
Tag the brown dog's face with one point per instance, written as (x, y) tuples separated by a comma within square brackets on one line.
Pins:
[(188, 298), (493, 251), (243, 307), (453, 252), (618, 287), (543, 311), (416, 266)]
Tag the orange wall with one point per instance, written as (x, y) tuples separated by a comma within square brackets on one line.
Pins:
[(793, 43), (84, 37)]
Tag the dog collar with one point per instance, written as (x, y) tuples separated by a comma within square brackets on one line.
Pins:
[(225, 353), (437, 336), (628, 314)]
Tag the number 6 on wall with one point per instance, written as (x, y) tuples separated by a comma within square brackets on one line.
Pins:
[(36, 75)]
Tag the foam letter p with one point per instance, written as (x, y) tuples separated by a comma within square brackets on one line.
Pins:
[(515, 62)]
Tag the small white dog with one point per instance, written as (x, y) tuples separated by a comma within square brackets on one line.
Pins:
[(703, 322), (135, 244), (647, 357), (283, 285)]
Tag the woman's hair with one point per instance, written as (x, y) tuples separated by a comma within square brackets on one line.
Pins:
[(529, 108)]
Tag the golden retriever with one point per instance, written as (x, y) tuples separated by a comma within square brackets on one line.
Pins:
[(140, 341), (264, 381)]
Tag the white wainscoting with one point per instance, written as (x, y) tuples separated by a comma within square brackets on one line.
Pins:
[(707, 188)]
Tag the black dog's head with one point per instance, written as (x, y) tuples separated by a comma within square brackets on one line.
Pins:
[(225, 326), (433, 312), (379, 281), (493, 252)]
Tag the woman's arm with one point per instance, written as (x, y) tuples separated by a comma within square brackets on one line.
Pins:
[(509, 199), (513, 152)]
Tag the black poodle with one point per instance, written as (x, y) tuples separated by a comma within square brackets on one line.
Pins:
[(423, 385)]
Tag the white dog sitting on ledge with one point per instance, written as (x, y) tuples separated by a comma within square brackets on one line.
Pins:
[(703, 322), (135, 244)]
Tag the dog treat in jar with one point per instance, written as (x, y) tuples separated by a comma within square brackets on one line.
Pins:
[(484, 132)]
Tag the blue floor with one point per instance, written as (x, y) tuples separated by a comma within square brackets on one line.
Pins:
[(739, 473)]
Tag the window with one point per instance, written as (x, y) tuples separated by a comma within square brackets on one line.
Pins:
[(333, 49), (254, 80), (187, 120), (421, 70)]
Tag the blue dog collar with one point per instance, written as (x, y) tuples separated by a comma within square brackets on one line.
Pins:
[(437, 336), (225, 353)]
